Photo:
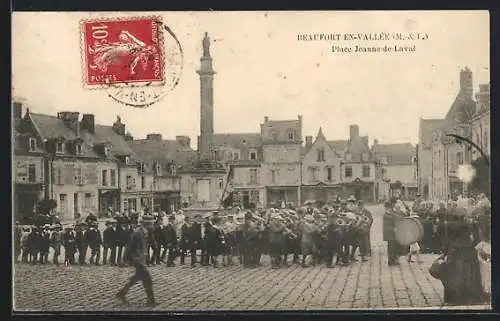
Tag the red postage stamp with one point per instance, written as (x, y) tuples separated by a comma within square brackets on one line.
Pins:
[(122, 51)]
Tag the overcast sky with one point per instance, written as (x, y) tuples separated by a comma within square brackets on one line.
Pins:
[(263, 70)]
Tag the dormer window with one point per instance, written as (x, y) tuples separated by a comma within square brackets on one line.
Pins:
[(173, 170), (32, 144), (158, 169), (106, 151), (78, 149), (290, 134), (59, 147), (127, 160), (252, 155)]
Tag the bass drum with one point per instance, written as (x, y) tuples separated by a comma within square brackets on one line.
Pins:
[(408, 230)]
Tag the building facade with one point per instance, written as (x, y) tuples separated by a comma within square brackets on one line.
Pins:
[(447, 153), (359, 168), (321, 170), (161, 172), (397, 167), (242, 155), (425, 155), (28, 167), (481, 122), (281, 166)]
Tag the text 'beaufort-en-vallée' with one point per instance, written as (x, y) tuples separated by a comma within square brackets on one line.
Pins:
[(361, 36)]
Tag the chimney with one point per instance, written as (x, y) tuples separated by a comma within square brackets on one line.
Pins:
[(466, 86), (309, 141), (153, 137), (266, 119), (185, 141), (375, 142), (88, 123), (17, 111), (119, 127), (300, 118), (70, 119), (353, 132)]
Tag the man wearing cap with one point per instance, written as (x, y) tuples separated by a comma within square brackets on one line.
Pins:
[(389, 221), (159, 235), (170, 236), (195, 239), (277, 231), (70, 246), (137, 254), (55, 242), (94, 241), (109, 242), (121, 238), (34, 242), (45, 245), (184, 241), (81, 242), (307, 239)]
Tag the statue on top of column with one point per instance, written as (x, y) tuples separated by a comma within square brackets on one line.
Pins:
[(206, 45)]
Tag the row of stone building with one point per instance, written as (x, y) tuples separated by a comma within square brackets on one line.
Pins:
[(439, 155), (87, 167)]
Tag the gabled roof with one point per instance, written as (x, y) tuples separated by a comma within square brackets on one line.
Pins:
[(426, 128), (237, 140), (164, 152), (51, 127), (397, 154), (320, 137)]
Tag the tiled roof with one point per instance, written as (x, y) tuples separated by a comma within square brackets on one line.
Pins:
[(357, 147), (164, 151), (462, 108), (339, 146), (53, 127), (237, 140), (397, 154), (427, 127), (102, 134)]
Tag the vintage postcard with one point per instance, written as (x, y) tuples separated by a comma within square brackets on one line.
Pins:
[(190, 161)]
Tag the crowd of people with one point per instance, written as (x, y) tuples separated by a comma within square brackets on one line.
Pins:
[(335, 234), (329, 235)]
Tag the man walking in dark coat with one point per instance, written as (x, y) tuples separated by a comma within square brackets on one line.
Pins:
[(137, 254)]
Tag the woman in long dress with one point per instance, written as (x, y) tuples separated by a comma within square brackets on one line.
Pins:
[(462, 276)]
